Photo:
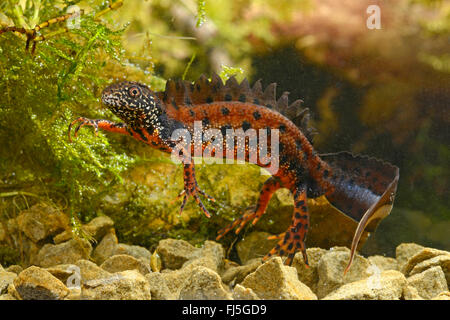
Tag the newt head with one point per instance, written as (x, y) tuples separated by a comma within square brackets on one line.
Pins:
[(133, 102)]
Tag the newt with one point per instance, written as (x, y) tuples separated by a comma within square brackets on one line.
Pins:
[(361, 187)]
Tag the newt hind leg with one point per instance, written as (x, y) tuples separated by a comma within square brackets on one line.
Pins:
[(293, 239), (270, 186)]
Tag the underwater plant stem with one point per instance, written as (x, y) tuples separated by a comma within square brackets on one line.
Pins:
[(17, 193), (111, 7)]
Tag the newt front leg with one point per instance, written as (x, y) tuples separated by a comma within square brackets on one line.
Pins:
[(99, 123)]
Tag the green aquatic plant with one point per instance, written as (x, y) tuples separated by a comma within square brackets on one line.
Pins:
[(43, 91)]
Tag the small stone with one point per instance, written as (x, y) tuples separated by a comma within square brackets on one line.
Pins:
[(135, 251), (35, 283), (13, 292), (73, 275), (6, 296), (74, 294), (174, 253), (64, 236), (384, 263), (405, 251), (442, 296), (254, 245), (203, 284), (308, 275), (125, 285), (41, 221), (422, 255), (213, 250), (207, 262), (210, 255), (14, 268), (62, 271), (238, 273), (176, 278), (106, 248), (443, 261), (64, 253), (98, 227), (122, 262), (155, 262), (275, 281), (386, 286), (6, 278), (90, 271), (410, 293), (331, 266), (158, 287), (242, 293), (429, 283)]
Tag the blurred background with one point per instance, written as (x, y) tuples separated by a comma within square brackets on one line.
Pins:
[(382, 92)]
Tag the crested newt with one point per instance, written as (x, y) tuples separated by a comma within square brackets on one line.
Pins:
[(361, 187)]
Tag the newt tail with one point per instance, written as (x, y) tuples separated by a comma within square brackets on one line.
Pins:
[(360, 187)]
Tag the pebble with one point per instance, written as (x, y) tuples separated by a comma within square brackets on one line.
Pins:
[(429, 283), (386, 286), (35, 283), (275, 281)]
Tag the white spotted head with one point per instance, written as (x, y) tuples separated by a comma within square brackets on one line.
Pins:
[(133, 102)]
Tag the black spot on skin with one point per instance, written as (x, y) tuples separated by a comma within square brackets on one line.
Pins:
[(209, 100), (141, 134), (297, 215), (224, 128), (256, 115), (304, 209), (282, 252), (300, 203), (281, 147), (318, 166), (246, 125), (297, 237), (282, 128), (228, 97), (225, 111), (198, 87), (192, 113), (205, 122), (325, 173), (299, 226), (290, 246), (286, 236), (297, 244), (298, 144), (242, 98)]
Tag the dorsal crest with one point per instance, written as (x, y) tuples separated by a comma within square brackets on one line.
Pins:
[(181, 93)]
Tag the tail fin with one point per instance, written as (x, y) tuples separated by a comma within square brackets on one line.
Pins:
[(364, 190)]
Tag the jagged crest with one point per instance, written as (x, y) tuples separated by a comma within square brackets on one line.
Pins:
[(184, 93)]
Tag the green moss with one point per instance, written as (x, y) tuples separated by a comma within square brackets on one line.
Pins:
[(43, 93)]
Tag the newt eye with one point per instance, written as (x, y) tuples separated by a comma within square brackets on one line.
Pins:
[(134, 91)]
